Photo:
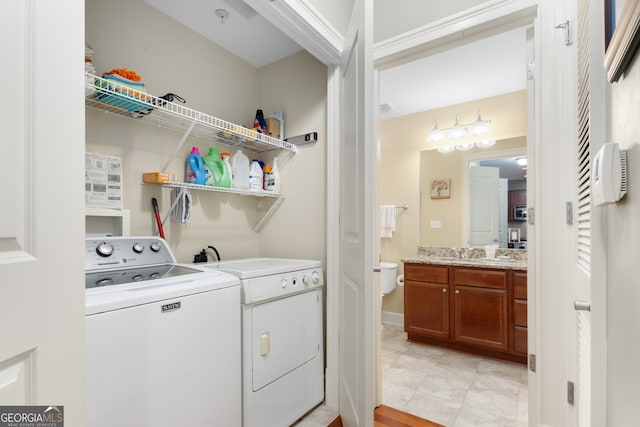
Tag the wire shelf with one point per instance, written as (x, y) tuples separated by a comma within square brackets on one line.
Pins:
[(107, 95), (255, 193)]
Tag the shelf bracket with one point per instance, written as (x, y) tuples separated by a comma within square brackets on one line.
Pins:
[(307, 138), (179, 147), (268, 214)]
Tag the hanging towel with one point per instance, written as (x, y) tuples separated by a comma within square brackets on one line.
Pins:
[(387, 220)]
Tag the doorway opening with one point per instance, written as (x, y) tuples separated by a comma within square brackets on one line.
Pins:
[(422, 400)]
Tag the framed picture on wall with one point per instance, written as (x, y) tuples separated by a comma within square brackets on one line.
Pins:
[(622, 35), (440, 188)]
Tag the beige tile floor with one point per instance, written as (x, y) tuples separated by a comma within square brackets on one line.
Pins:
[(451, 388), (445, 386)]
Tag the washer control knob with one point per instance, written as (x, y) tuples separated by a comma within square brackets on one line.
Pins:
[(155, 247), (104, 249), (283, 283), (306, 280), (105, 282), (138, 248), (315, 277)]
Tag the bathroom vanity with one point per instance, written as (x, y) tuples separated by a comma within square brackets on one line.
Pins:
[(470, 304)]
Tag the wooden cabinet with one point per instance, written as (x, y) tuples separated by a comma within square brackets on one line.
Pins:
[(520, 312), (478, 310), (427, 301), (480, 307), (515, 197)]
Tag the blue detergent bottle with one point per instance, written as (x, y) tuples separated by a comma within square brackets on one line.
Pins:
[(195, 168)]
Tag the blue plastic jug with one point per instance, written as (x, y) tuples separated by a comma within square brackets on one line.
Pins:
[(195, 168)]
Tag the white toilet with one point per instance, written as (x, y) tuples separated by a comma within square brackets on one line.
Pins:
[(388, 273)]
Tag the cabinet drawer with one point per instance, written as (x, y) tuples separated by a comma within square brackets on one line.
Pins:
[(480, 278), (520, 339), (520, 313), (520, 285), (426, 273)]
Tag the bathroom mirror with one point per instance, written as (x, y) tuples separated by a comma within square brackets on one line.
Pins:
[(449, 221)]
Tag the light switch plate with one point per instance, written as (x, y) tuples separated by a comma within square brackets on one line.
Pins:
[(436, 223)]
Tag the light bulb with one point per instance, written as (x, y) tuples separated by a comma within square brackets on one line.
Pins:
[(447, 149), (465, 147), (486, 143), (480, 127), (436, 134), (457, 131)]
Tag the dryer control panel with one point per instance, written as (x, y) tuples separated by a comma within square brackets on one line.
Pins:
[(275, 286)]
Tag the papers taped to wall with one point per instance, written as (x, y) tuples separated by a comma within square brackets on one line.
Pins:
[(103, 181)]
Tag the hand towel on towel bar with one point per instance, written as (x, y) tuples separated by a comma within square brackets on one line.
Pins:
[(387, 220)]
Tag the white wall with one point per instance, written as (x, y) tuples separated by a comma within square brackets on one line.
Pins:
[(172, 58), (298, 84), (623, 247)]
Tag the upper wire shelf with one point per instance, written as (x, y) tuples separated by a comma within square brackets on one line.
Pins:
[(107, 95)]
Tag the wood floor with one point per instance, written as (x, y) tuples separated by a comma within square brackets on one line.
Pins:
[(385, 416)]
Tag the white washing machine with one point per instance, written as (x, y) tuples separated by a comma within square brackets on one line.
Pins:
[(282, 338), (162, 339)]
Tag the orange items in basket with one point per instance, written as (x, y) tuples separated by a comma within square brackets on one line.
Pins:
[(127, 74)]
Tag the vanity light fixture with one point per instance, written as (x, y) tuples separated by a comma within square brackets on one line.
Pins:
[(459, 130), (480, 127), (436, 134)]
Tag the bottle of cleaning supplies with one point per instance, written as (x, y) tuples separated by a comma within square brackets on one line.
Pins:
[(255, 176), (275, 174), (259, 124), (240, 170), (267, 179), (226, 179), (195, 168), (214, 167)]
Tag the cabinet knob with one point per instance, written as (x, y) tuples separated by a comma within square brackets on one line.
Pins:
[(457, 292), (444, 290)]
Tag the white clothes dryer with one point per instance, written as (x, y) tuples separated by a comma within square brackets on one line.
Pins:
[(282, 338)]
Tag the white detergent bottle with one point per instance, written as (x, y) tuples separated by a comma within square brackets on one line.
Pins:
[(255, 176), (240, 171), (275, 176)]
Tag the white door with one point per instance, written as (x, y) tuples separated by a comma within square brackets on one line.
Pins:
[(356, 229), (42, 206), (503, 204), (483, 206), (589, 277)]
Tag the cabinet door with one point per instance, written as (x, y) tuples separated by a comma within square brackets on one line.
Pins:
[(481, 317), (426, 308)]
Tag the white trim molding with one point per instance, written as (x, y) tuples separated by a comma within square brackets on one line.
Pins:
[(487, 19), (304, 24)]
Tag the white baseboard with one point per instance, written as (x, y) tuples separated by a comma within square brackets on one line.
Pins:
[(391, 318)]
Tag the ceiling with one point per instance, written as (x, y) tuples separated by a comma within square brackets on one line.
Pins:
[(509, 168), (492, 66), (242, 32)]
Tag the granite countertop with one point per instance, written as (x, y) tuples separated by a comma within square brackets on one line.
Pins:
[(514, 259)]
